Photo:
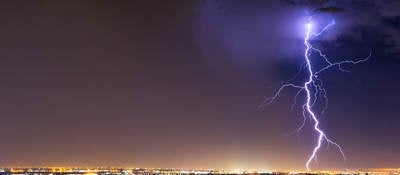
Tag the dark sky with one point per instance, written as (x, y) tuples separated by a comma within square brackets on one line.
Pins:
[(177, 84)]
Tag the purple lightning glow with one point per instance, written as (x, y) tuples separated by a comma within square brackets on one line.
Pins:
[(321, 134), (312, 87)]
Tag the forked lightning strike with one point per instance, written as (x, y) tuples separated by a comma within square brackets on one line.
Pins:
[(313, 87)]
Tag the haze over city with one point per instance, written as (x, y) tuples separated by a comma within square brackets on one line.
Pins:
[(183, 84)]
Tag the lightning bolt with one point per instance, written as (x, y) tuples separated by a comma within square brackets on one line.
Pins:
[(313, 87)]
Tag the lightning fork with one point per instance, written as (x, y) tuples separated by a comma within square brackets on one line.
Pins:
[(313, 87)]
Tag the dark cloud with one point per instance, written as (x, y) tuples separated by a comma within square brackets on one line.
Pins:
[(383, 16)]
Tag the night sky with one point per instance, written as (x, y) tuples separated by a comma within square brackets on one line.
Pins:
[(177, 84)]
